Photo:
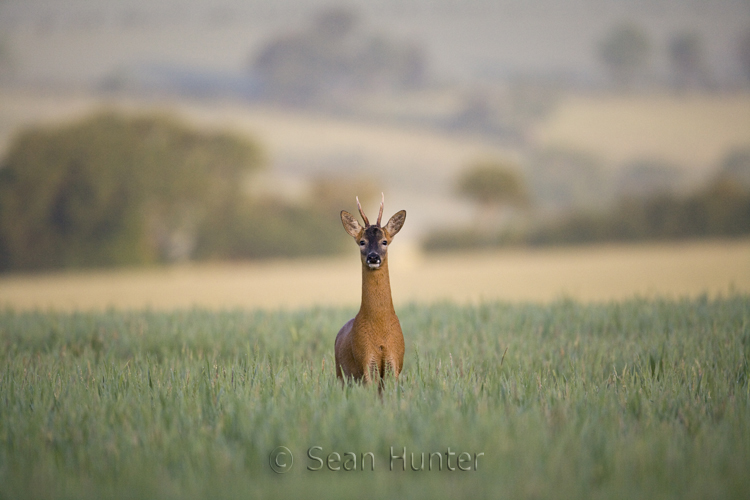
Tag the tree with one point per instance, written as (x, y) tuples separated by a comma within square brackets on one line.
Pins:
[(625, 52), (7, 62), (115, 190), (736, 167), (743, 53), (687, 57), (494, 185), (334, 54)]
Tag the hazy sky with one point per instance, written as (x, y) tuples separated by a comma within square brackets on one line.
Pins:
[(81, 41)]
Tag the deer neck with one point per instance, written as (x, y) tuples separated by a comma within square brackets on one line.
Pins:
[(376, 292)]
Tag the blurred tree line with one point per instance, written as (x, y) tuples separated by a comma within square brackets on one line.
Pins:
[(125, 190), (333, 57), (569, 200), (721, 209), (628, 51)]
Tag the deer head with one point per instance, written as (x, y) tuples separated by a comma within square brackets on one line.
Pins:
[(373, 240)]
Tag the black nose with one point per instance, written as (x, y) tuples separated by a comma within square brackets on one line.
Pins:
[(373, 258)]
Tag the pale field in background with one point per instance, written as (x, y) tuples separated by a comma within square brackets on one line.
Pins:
[(600, 273), (416, 166), (692, 131)]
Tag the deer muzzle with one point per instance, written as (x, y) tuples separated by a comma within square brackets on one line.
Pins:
[(373, 260)]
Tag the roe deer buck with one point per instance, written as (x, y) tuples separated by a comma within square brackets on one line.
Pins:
[(372, 341)]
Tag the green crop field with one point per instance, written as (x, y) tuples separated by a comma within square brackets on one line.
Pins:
[(631, 399)]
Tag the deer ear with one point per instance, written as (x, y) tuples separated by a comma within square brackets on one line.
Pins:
[(396, 223), (351, 224)]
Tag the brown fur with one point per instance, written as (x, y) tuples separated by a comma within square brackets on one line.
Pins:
[(372, 344)]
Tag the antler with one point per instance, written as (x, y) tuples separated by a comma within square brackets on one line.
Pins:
[(362, 213), (380, 215)]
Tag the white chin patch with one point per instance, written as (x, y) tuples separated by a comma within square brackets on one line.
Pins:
[(373, 266)]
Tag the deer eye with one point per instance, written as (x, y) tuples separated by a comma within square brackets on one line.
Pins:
[(385, 242), (361, 243)]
